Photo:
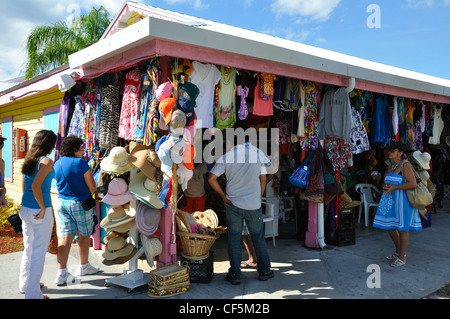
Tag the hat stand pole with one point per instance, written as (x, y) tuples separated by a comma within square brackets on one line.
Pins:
[(132, 277)]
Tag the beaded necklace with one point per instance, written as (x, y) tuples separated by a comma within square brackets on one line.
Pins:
[(394, 167)]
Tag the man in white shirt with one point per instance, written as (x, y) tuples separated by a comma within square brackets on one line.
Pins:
[(245, 169)]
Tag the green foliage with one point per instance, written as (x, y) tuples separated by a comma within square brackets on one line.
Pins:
[(5, 212), (49, 46)]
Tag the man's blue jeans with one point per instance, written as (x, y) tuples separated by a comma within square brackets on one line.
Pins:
[(255, 225)]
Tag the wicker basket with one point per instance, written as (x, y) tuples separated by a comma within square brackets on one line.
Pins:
[(196, 245), (167, 290), (168, 275)]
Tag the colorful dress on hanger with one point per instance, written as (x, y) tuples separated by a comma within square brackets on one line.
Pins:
[(109, 116), (152, 129), (381, 124), (339, 152), (410, 107), (394, 210), (226, 98), (402, 125), (438, 125), (205, 77), (77, 122), (130, 104), (311, 139), (359, 141), (90, 114), (263, 103)]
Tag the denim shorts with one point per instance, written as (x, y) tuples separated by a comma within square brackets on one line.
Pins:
[(73, 218)]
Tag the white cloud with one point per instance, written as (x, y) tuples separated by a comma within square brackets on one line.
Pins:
[(19, 18), (420, 3), (311, 9), (198, 4)]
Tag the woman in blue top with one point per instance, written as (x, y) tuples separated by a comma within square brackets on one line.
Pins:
[(36, 212), (394, 212), (75, 184)]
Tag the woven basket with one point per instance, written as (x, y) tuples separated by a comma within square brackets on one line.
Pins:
[(169, 275), (196, 245), (167, 290)]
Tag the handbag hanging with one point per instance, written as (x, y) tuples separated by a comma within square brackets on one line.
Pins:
[(300, 176), (89, 203), (332, 185), (315, 186)]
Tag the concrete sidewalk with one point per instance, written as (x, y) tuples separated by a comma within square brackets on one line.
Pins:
[(300, 272)]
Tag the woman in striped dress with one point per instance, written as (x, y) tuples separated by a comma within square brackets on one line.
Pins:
[(394, 212)]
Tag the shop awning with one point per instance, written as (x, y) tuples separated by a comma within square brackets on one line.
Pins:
[(172, 34)]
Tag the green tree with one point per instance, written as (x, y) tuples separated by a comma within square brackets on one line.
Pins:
[(49, 46)]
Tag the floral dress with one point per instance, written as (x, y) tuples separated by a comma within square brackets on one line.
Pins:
[(311, 138), (130, 105)]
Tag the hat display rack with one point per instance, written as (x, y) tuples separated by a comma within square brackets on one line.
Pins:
[(122, 241), (154, 174)]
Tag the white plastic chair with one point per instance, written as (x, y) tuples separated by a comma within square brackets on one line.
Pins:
[(269, 217), (366, 191)]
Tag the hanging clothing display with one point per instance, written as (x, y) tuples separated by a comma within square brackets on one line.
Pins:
[(77, 123), (381, 124), (130, 104), (89, 98), (205, 77), (359, 141), (263, 103), (335, 115), (312, 99), (438, 125), (294, 94), (109, 116), (226, 98), (402, 126), (151, 128)]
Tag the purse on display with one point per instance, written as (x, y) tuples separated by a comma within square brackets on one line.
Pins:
[(300, 176), (315, 186), (89, 203), (332, 185)]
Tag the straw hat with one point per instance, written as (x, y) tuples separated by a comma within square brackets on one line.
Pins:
[(144, 189), (117, 247), (145, 158), (117, 220), (147, 219), (118, 193), (152, 248), (208, 218), (116, 162), (423, 159)]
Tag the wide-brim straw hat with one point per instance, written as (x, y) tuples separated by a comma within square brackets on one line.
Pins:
[(120, 260), (118, 193), (144, 189), (116, 162), (145, 158), (117, 247), (117, 220), (147, 219), (152, 248), (423, 159)]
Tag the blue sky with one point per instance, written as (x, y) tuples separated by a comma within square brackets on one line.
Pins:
[(410, 34)]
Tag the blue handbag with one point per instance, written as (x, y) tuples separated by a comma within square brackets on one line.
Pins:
[(300, 176)]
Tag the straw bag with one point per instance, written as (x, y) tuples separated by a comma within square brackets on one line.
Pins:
[(419, 197)]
